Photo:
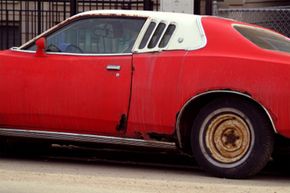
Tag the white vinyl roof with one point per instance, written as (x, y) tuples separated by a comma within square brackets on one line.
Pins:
[(138, 13), (189, 34)]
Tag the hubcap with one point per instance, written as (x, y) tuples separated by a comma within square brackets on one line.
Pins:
[(228, 138)]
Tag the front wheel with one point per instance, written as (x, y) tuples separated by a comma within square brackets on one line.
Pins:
[(232, 138)]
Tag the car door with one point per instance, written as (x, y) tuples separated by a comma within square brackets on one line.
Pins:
[(80, 85)]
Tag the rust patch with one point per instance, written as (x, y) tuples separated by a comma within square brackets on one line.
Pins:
[(161, 137), (228, 138)]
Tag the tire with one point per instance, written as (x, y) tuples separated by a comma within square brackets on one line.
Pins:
[(232, 138)]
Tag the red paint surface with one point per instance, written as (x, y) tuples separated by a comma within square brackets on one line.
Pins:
[(63, 93), (164, 82), (77, 93)]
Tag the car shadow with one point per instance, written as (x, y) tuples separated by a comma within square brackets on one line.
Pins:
[(135, 157)]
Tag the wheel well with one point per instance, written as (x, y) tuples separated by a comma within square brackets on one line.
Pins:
[(191, 109)]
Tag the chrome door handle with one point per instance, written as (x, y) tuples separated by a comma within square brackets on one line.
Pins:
[(114, 67)]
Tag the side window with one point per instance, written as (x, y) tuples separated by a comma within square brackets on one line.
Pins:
[(96, 36), (147, 35), (265, 39), (157, 35), (166, 37)]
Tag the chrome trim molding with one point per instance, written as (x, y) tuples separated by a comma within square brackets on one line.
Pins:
[(71, 54), (63, 136), (203, 35), (178, 132)]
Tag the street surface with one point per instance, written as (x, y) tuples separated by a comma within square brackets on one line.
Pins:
[(81, 170)]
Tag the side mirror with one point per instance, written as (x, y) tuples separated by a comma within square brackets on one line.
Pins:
[(40, 47)]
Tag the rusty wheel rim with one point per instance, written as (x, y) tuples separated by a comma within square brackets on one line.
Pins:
[(228, 138)]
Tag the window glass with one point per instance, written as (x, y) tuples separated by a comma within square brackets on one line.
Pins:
[(157, 35), (95, 36), (265, 39), (166, 37), (147, 35)]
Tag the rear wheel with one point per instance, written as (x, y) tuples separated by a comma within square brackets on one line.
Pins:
[(232, 138)]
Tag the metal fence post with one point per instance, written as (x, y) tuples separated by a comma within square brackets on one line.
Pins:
[(73, 7), (148, 5), (208, 7), (196, 7), (39, 17)]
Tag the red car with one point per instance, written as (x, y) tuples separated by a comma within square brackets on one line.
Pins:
[(213, 88)]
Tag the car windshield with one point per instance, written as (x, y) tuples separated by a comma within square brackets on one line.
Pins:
[(265, 39)]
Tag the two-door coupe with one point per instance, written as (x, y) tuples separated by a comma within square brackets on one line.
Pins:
[(214, 88)]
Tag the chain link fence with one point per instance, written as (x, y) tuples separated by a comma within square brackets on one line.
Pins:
[(276, 18)]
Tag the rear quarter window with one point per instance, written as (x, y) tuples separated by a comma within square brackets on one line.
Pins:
[(157, 35), (265, 39), (166, 37)]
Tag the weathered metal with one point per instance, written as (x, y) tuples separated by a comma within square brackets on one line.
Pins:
[(227, 137), (143, 94)]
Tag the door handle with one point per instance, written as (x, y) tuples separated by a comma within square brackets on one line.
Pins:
[(114, 67)]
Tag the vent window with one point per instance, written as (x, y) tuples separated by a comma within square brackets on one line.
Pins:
[(165, 39), (157, 35), (147, 35)]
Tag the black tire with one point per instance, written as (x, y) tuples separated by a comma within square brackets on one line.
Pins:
[(232, 138)]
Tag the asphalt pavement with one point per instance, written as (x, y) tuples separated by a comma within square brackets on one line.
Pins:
[(71, 169)]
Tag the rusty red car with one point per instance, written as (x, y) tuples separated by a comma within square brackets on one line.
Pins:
[(213, 88)]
